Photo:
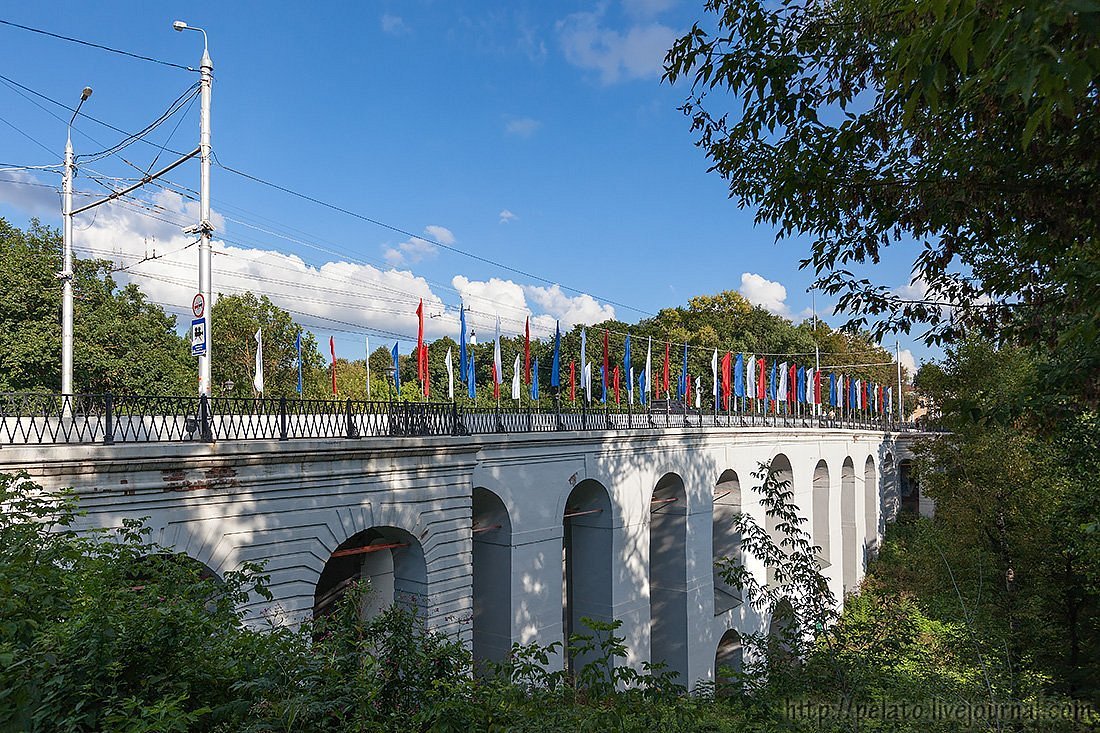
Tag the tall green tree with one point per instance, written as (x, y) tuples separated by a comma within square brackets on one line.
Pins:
[(235, 320), (122, 342), (964, 131)]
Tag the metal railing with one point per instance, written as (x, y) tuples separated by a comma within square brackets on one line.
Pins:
[(38, 419)]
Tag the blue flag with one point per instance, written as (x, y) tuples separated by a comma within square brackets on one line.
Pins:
[(396, 370), (471, 376), (641, 387), (462, 342), (773, 386), (739, 376), (555, 365), (832, 389), (626, 357), (535, 379), (298, 347), (801, 384), (603, 398)]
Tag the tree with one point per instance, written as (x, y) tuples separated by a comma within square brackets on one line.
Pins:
[(966, 130), (122, 342), (234, 321)]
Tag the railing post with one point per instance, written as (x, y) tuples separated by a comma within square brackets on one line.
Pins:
[(108, 419), (282, 418), (454, 418), (206, 432), (349, 419)]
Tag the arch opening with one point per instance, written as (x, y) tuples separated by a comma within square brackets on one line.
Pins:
[(389, 558), (586, 560), (668, 622), (784, 475), (870, 510), (725, 538), (729, 662), (848, 539), (492, 577), (821, 515), (908, 486)]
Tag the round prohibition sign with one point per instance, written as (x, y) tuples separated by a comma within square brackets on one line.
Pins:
[(198, 305)]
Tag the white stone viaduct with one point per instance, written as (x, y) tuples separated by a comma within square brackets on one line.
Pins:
[(498, 538)]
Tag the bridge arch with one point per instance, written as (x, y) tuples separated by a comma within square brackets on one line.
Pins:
[(587, 549), (389, 558), (908, 486), (492, 576), (848, 524), (668, 606), (725, 539), (784, 475), (888, 481), (729, 660), (820, 524), (870, 507)]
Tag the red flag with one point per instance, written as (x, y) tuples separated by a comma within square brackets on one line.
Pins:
[(792, 381), (687, 389), (817, 387), (667, 347), (616, 376), (421, 361), (496, 384), (726, 379), (527, 348), (761, 379), (573, 381), (606, 363), (332, 350)]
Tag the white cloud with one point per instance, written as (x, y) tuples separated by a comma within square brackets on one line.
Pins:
[(513, 302), (767, 294), (33, 195), (394, 24), (414, 250), (647, 8), (908, 361), (636, 53), (570, 310), (506, 216), (521, 126)]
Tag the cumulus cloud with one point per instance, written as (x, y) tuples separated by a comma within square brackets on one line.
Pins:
[(513, 302), (768, 294), (415, 249), (908, 361), (635, 53), (394, 24), (506, 216), (570, 310), (521, 126), (30, 194)]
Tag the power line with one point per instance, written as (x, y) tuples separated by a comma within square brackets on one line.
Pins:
[(187, 96), (97, 45)]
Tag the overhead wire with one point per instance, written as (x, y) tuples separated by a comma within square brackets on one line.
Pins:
[(100, 46)]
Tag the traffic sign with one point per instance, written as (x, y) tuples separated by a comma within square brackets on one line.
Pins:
[(198, 337), (198, 305)]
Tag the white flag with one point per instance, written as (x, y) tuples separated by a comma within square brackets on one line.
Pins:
[(258, 380), (496, 357), (515, 379), (698, 388), (648, 364), (366, 342), (586, 376), (750, 375), (630, 385), (781, 393), (714, 373), (449, 363)]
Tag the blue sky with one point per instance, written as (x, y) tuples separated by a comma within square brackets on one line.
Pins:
[(533, 134)]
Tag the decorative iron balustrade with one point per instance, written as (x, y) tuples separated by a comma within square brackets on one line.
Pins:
[(37, 419)]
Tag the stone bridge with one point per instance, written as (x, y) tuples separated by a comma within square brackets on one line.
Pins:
[(500, 538)]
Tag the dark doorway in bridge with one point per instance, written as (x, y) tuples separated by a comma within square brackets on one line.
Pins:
[(908, 487), (725, 539), (587, 547), (848, 539), (492, 577), (390, 559), (782, 634), (870, 511), (820, 523), (729, 661), (668, 605), (784, 476)]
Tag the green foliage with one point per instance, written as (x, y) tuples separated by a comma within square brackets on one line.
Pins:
[(965, 128), (122, 342)]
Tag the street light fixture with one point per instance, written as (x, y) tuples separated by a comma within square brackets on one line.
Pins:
[(66, 274)]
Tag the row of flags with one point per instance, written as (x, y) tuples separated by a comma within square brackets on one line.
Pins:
[(780, 385)]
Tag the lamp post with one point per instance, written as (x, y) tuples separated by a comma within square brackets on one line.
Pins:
[(66, 274), (206, 79)]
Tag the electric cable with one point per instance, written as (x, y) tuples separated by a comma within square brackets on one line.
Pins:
[(97, 45)]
